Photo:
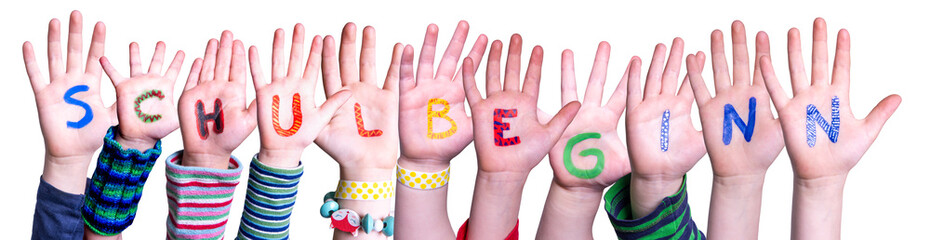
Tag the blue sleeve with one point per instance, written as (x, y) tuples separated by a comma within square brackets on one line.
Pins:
[(57, 214)]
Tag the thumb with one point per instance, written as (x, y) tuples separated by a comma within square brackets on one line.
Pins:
[(328, 109), (880, 114), (561, 119)]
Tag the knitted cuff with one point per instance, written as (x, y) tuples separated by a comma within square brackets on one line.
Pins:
[(268, 203), (199, 198), (671, 219), (116, 186)]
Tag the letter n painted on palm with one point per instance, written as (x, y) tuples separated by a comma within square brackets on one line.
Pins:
[(500, 126), (730, 116), (361, 124), (831, 128), (430, 114)]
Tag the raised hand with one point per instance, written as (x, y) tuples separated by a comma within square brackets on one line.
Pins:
[(663, 142), (823, 138), (71, 113), (741, 159), (213, 114), (145, 100), (289, 98)]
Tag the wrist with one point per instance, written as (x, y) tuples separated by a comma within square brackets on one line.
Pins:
[(815, 185), (647, 192), (575, 196), (365, 174), (68, 174), (422, 164), (280, 158), (138, 143), (739, 182), (205, 160)]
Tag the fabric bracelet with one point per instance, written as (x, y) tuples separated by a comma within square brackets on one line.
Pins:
[(269, 201), (113, 196), (199, 198), (671, 219), (513, 235), (356, 190), (422, 180)]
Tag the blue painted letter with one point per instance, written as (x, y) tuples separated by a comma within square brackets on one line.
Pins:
[(730, 116), (832, 129), (88, 113), (663, 133)]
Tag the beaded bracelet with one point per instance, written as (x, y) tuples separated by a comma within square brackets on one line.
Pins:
[(422, 180), (348, 221)]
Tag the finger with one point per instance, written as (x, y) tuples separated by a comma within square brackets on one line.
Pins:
[(111, 71), (135, 60), (255, 65), (634, 93), (701, 94), (175, 67), (367, 64), (594, 92), (569, 89), (194, 77), (477, 52), (493, 76), (740, 54), (297, 51), (841, 62), (471, 89), (278, 59), (533, 73), (331, 105), (617, 101), (238, 66), (209, 61), (771, 83), (348, 68), (97, 42), (311, 71), (393, 75), (561, 119), (55, 68), (75, 42), (512, 69), (762, 49), (673, 67), (453, 52), (685, 91), (820, 57), (330, 66), (251, 120), (157, 59), (719, 62), (32, 68), (654, 75), (799, 80), (428, 54), (880, 114), (224, 57), (407, 78)]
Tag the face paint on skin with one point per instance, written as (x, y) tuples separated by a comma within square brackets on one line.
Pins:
[(814, 118), (567, 157), (430, 114), (295, 109), (730, 116), (500, 126), (216, 117), (663, 132), (88, 113), (361, 124), (146, 118)]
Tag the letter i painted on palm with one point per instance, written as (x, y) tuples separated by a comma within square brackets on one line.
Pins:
[(730, 116), (295, 108), (663, 132), (500, 126), (430, 114), (361, 124), (88, 113), (831, 128)]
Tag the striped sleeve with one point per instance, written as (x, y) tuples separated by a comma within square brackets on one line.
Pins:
[(199, 198), (269, 201), (670, 220)]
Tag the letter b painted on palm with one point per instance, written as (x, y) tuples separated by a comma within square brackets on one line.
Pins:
[(430, 114)]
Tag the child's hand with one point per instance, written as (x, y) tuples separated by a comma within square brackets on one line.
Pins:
[(289, 98), (362, 136), (597, 157), (730, 153), (71, 113), (145, 101), (435, 139), (663, 142), (212, 109)]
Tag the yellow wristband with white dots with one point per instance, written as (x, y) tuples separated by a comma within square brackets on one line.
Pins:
[(422, 180), (355, 190)]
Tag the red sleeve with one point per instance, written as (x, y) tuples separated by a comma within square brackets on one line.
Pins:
[(514, 234)]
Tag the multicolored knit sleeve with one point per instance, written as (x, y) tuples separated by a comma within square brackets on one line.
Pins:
[(116, 187), (199, 198), (269, 201), (670, 220)]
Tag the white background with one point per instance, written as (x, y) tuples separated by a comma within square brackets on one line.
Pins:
[(883, 197)]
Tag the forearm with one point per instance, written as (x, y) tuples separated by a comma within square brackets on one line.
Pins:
[(422, 213), (495, 204), (69, 176), (735, 206), (647, 192), (817, 208), (568, 213), (377, 208)]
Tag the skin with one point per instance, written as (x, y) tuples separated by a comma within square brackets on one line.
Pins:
[(361, 158), (287, 78), (740, 167), (423, 213), (820, 171), (658, 174), (502, 171), (573, 202)]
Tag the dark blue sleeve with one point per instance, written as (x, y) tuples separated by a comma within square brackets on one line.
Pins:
[(57, 214)]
